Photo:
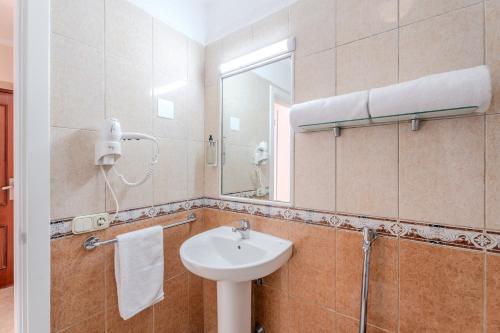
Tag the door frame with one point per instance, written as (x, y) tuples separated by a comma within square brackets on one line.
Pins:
[(32, 166)]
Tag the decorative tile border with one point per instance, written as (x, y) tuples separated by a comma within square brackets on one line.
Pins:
[(437, 234), (62, 227)]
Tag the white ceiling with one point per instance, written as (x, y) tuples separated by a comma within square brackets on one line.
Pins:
[(208, 20)]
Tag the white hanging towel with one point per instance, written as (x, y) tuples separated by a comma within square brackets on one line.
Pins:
[(139, 270), (456, 89), (332, 109)]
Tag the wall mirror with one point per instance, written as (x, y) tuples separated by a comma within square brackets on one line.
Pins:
[(256, 135)]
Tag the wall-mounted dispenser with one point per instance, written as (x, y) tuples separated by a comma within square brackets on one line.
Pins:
[(108, 151), (211, 156)]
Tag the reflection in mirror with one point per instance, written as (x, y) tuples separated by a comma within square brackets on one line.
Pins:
[(257, 138)]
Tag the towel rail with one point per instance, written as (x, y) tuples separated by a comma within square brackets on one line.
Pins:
[(92, 242)]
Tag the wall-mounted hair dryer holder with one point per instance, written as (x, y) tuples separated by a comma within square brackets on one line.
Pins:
[(109, 149)]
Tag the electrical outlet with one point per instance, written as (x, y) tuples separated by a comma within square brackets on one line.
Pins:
[(89, 223)]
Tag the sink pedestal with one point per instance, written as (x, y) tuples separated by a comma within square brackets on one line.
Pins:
[(234, 300)]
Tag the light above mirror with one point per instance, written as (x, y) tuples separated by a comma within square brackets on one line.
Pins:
[(266, 53)]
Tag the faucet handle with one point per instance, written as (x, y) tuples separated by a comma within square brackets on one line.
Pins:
[(244, 224)]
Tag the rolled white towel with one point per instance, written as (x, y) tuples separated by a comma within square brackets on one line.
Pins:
[(456, 89), (333, 109)]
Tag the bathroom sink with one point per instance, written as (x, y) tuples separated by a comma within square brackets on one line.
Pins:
[(222, 255)]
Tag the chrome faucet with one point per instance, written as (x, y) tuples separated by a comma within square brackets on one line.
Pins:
[(244, 229)]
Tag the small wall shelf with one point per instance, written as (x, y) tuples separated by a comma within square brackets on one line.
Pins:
[(414, 119)]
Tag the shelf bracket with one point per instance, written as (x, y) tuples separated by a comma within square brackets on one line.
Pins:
[(415, 124), (336, 131)]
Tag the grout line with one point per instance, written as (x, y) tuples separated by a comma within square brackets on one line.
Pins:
[(105, 83), (398, 46), (366, 37), (484, 32), (398, 324), (398, 312), (485, 146), (441, 14), (79, 41)]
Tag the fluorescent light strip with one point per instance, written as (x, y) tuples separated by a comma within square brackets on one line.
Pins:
[(265, 53)]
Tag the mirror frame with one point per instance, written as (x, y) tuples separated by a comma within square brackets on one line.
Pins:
[(291, 56)]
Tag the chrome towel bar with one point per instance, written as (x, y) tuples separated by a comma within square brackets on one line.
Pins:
[(92, 242)]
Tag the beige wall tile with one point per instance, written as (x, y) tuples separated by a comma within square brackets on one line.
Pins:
[(493, 172), (273, 28), (196, 61), (196, 169), (212, 111), (312, 266), (171, 314), (195, 303), (493, 48), (77, 84), (142, 322), (196, 109), (128, 32), (411, 10), (438, 286), (73, 270), (315, 76), (172, 241), (271, 309), (170, 184), (493, 292), (383, 292), (210, 306), (128, 95), (79, 20), (309, 317), (315, 170), (237, 43), (441, 170), (170, 56), (212, 119), (367, 171), (345, 324), (443, 43), (367, 63), (93, 324), (178, 127), (136, 156), (358, 19), (214, 53), (312, 22), (77, 187)]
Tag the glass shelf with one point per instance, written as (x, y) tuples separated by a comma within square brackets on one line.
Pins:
[(445, 113)]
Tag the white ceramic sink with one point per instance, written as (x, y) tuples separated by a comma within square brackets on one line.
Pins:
[(222, 255)]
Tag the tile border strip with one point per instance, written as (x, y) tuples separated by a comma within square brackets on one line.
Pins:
[(474, 239)]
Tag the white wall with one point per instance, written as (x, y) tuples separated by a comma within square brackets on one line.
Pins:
[(186, 16), (6, 43), (227, 16), (208, 20)]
